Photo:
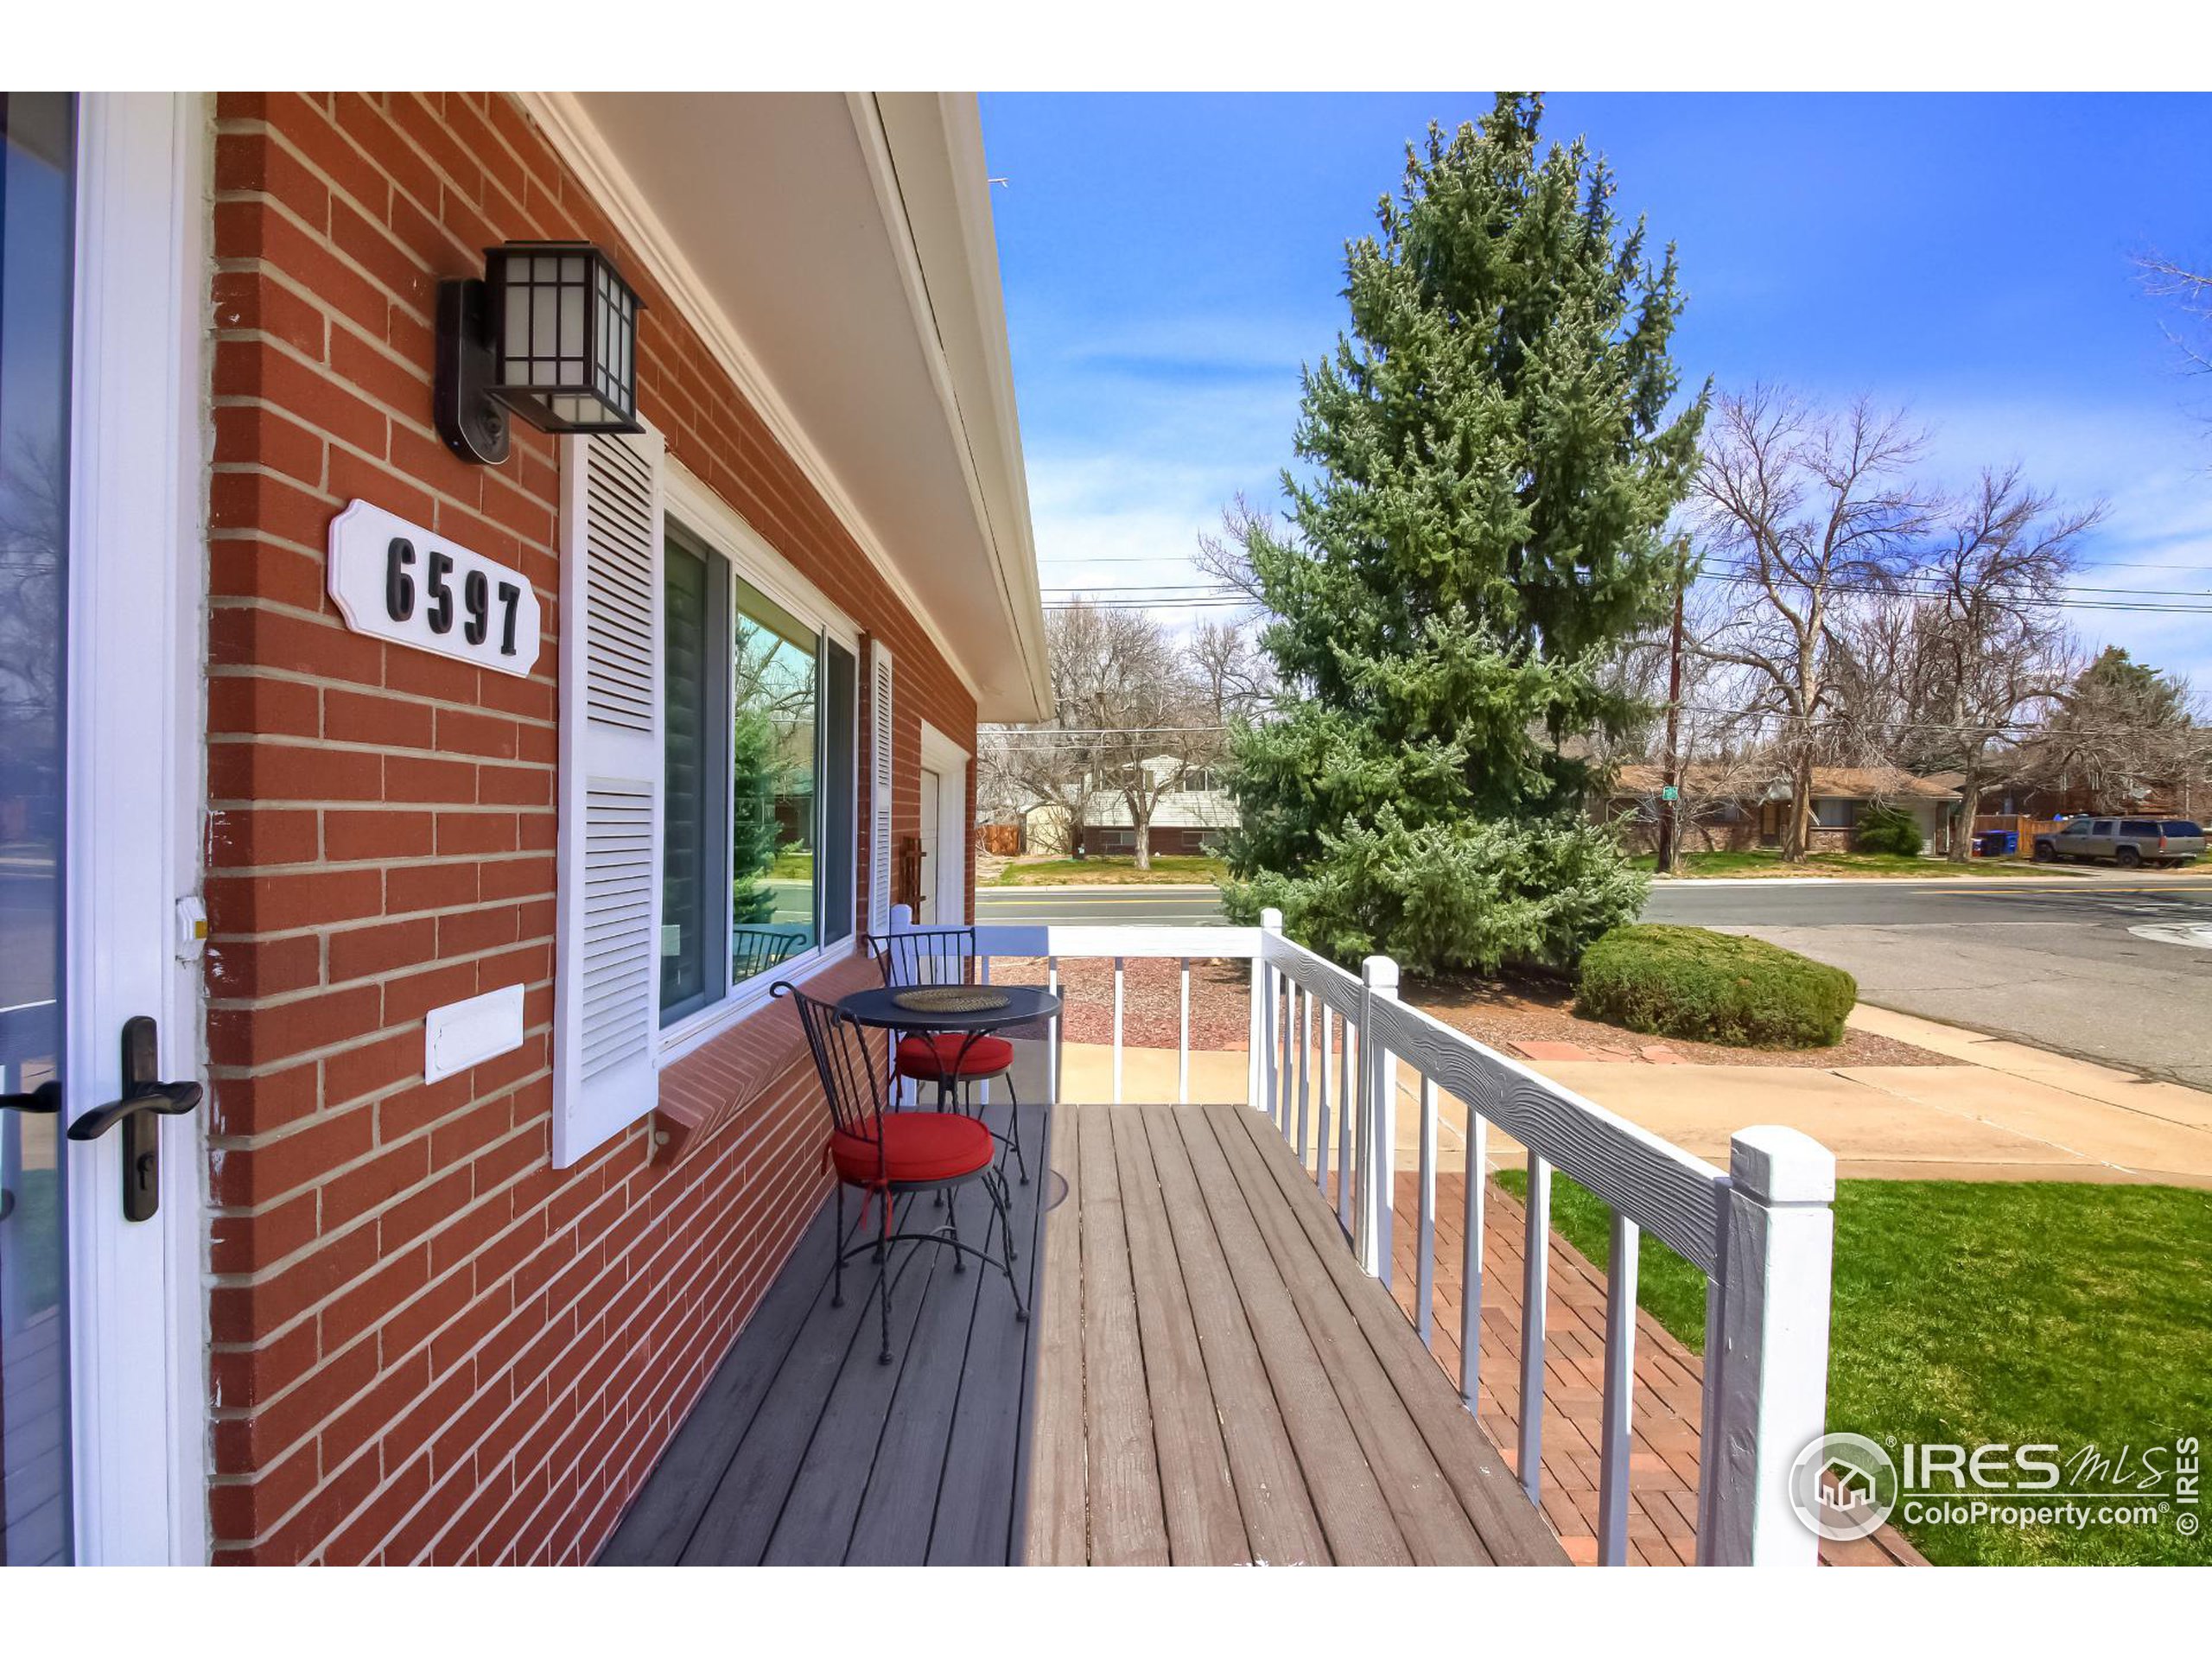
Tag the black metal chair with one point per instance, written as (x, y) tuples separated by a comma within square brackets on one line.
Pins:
[(754, 950), (947, 956), (890, 1154)]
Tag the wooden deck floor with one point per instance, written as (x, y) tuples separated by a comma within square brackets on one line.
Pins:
[(805, 1451), (1207, 1377), (1218, 1383)]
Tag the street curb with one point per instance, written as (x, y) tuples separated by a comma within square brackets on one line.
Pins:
[(1863, 880), (1991, 1034), (983, 891)]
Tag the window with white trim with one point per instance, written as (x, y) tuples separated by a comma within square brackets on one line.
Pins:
[(757, 833), (708, 837)]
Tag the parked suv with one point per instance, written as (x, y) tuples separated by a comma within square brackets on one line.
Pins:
[(2126, 841)]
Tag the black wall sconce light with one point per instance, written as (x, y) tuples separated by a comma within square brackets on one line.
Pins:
[(550, 333)]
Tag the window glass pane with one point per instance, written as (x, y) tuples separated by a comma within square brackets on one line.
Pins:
[(774, 832), (690, 972), (840, 677)]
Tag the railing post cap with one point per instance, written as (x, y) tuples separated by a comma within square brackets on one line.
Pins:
[(1781, 1165), (1271, 918), (902, 917), (1381, 973)]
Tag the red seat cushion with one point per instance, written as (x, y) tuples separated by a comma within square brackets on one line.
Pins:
[(917, 1147), (933, 1057)]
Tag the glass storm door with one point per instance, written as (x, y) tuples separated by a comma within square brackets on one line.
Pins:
[(37, 216), (102, 1222)]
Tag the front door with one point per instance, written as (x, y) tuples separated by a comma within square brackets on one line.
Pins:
[(99, 1206)]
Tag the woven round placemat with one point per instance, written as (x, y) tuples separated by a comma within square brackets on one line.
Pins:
[(951, 999)]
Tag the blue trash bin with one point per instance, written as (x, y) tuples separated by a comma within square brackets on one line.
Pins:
[(1999, 843)]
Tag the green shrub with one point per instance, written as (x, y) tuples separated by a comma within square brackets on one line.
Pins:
[(1713, 988), (1889, 829)]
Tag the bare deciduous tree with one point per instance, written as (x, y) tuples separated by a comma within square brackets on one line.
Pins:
[(1135, 691), (1999, 643), (2191, 294), (1054, 766), (1800, 510), (1224, 555), (1135, 710), (1232, 676), (1724, 758)]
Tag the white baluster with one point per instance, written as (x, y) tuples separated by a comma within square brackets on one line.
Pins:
[(1378, 1087), (1536, 1277), (1053, 1045), (1620, 1391), (1348, 1127), (1182, 1039), (1118, 978), (1472, 1218), (1424, 1272), (1305, 1042), (1321, 1090)]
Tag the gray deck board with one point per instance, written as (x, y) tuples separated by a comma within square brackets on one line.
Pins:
[(1206, 1376), (805, 1449)]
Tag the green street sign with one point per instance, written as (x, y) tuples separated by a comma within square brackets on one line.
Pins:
[(1670, 793)]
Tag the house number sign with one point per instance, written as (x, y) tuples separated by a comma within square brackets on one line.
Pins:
[(402, 582)]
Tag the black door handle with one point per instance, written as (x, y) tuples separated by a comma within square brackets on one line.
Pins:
[(145, 1098), (44, 1099)]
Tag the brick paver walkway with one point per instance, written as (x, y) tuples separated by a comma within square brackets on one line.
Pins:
[(1669, 1380)]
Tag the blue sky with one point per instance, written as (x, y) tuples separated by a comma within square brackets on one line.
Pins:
[(1171, 260)]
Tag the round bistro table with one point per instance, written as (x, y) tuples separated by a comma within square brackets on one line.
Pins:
[(878, 1006)]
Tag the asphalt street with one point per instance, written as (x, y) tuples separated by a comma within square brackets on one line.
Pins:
[(1100, 906), (2094, 966), (2097, 966)]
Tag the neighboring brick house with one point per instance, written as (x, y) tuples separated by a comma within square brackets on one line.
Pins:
[(1736, 807), (458, 1319)]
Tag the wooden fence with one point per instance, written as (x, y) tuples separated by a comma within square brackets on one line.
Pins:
[(2025, 827)]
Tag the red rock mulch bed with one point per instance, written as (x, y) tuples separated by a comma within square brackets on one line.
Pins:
[(1530, 1019), (1221, 1000)]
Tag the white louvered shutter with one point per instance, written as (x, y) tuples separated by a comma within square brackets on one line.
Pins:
[(879, 789), (607, 967)]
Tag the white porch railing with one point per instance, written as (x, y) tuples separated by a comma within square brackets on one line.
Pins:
[(1762, 1232)]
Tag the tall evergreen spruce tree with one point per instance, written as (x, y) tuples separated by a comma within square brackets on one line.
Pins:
[(1492, 470)]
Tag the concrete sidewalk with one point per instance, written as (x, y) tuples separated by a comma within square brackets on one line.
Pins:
[(2004, 1112)]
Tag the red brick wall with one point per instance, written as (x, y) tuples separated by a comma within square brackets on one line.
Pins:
[(428, 1344)]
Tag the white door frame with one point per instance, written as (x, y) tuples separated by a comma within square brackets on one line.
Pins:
[(137, 771), (949, 882)]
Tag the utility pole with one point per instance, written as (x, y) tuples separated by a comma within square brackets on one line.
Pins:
[(1669, 836)]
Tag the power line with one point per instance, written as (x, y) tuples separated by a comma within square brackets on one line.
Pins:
[(1018, 734), (1906, 591), (2125, 599)]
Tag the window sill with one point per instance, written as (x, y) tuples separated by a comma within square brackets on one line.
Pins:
[(712, 1082)]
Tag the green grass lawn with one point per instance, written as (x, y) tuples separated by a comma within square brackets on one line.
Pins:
[(1766, 861), (1058, 872), (792, 866), (1975, 1313)]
